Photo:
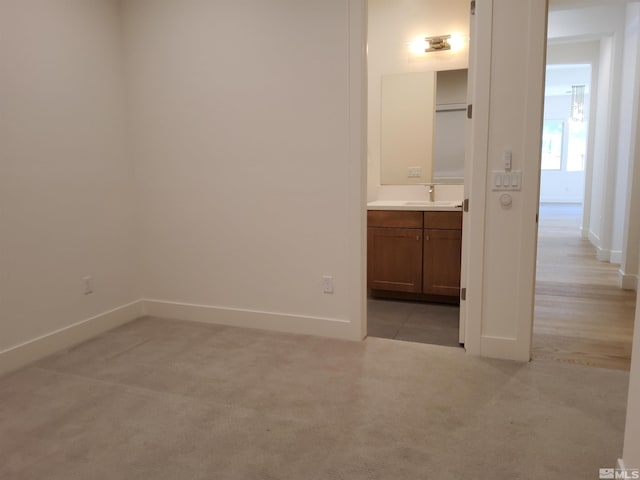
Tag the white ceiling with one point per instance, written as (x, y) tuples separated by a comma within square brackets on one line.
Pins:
[(570, 4), (560, 78)]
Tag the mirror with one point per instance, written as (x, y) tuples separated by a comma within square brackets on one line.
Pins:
[(407, 120), (422, 121)]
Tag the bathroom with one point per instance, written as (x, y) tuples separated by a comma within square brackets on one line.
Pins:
[(413, 176)]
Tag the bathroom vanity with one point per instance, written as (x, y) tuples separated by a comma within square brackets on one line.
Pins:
[(414, 250)]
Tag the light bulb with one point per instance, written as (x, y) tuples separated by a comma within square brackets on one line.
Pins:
[(418, 46), (457, 42)]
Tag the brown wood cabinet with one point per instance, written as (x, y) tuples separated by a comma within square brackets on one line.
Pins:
[(414, 253), (441, 262), (395, 263)]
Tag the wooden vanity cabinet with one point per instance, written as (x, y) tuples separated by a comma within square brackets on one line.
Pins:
[(394, 251), (442, 248), (414, 253)]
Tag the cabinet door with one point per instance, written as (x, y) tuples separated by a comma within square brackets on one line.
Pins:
[(442, 252), (394, 259)]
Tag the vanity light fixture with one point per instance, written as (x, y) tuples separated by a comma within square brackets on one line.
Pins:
[(437, 44), (453, 42)]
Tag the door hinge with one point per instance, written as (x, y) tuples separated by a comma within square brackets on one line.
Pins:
[(469, 111), (463, 294), (465, 205), (537, 217), (473, 7)]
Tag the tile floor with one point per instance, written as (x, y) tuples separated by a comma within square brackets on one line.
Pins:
[(432, 323)]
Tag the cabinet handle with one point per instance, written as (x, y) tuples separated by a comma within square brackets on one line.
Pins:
[(427, 238), (417, 238)]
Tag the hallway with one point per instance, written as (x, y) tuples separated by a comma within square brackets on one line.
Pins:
[(581, 315)]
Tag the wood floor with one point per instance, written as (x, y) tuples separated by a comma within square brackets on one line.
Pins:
[(581, 315)]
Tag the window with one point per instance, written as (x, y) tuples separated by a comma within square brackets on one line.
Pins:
[(576, 146), (552, 137), (564, 145)]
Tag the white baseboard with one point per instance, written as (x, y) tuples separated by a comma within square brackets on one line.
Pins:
[(502, 348), (627, 281), (562, 200), (621, 464), (21, 355), (615, 257), (603, 255), (280, 322), (595, 241)]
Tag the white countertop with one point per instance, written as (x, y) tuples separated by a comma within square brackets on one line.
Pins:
[(415, 205)]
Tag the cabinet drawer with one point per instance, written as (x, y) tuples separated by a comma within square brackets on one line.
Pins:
[(392, 218), (443, 220)]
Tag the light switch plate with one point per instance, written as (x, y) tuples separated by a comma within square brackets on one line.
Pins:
[(506, 181)]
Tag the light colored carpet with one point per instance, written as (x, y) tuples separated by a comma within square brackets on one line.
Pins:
[(159, 399)]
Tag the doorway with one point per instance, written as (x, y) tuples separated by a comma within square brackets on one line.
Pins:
[(581, 314), (565, 134), (406, 308)]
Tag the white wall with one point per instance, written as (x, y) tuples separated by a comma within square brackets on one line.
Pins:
[(65, 179), (631, 453), (631, 258), (393, 25), (603, 163), (247, 120), (586, 22), (626, 130), (627, 227)]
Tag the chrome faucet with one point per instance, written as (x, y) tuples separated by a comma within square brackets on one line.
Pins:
[(432, 192)]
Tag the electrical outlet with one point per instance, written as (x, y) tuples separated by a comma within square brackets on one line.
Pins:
[(87, 283), (414, 172), (327, 284)]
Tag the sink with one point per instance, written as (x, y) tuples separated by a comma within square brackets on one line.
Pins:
[(419, 205), (426, 203)]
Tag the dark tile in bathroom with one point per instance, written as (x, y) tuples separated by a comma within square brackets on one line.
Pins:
[(390, 307), (390, 314), (382, 330), (446, 336), (375, 320), (431, 315), (413, 321), (438, 308)]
